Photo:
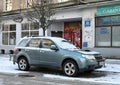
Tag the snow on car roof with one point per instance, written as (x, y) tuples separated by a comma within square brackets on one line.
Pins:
[(56, 39)]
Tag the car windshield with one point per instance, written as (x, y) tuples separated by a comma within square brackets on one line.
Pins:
[(67, 45)]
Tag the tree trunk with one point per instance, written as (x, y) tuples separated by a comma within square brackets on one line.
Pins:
[(43, 31)]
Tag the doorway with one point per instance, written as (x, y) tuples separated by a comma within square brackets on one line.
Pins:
[(73, 32)]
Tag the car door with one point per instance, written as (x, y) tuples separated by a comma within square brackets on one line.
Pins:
[(49, 57), (32, 50)]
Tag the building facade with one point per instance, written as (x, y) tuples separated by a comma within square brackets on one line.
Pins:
[(93, 25)]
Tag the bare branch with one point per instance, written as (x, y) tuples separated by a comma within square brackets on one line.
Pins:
[(40, 12)]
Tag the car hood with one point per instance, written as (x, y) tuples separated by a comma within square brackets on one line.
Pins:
[(86, 52), (89, 52)]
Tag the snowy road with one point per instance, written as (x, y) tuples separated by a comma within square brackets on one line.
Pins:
[(109, 74)]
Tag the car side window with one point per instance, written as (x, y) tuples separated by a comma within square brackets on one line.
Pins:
[(47, 43), (23, 42), (34, 43)]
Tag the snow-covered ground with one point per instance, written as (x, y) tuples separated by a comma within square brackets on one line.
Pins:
[(112, 71), (7, 66), (112, 75)]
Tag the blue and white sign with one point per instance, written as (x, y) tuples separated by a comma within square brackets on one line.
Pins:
[(87, 23)]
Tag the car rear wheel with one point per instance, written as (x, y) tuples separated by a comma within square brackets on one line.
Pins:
[(70, 68), (23, 64)]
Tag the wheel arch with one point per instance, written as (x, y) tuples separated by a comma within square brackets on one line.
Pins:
[(21, 66), (67, 59), (22, 56)]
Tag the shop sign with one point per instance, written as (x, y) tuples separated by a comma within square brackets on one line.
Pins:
[(108, 10)]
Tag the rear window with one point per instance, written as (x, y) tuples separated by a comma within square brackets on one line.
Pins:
[(23, 43), (34, 43)]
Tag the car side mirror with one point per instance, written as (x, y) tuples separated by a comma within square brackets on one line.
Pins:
[(53, 47)]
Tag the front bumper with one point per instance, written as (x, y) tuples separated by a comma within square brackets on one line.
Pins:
[(93, 64), (99, 64)]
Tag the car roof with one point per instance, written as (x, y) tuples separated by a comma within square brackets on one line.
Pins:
[(56, 39), (46, 37)]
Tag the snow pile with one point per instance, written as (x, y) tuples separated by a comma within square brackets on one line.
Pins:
[(111, 68), (7, 66)]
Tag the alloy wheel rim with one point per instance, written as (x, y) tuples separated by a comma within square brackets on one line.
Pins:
[(69, 69), (22, 64)]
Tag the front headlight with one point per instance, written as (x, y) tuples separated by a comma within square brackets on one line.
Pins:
[(88, 56)]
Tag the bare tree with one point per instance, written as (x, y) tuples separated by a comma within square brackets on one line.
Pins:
[(40, 12)]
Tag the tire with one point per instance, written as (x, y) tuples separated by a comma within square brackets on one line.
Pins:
[(70, 68), (23, 64)]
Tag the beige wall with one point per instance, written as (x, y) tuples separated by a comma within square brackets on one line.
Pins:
[(86, 1), (88, 31), (1, 4), (17, 4)]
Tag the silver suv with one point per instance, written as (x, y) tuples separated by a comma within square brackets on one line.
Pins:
[(54, 52)]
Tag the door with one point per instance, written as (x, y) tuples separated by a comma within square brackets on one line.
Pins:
[(49, 57), (33, 50), (72, 32)]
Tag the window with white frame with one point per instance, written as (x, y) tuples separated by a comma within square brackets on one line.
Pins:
[(29, 3), (30, 29), (9, 34), (8, 5)]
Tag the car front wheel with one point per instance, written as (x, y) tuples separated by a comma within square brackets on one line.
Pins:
[(70, 68), (23, 64)]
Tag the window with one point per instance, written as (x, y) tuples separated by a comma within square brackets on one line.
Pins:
[(108, 31), (34, 43), (9, 34), (101, 21), (5, 38), (105, 21), (34, 26), (47, 43), (29, 3), (25, 26), (8, 5), (23, 43), (103, 36), (30, 29), (116, 36)]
